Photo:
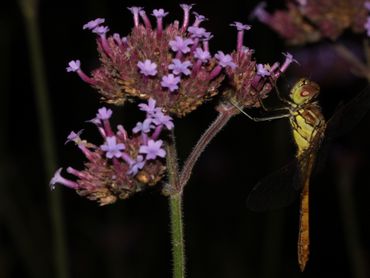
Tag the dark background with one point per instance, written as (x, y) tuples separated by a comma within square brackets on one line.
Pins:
[(131, 237)]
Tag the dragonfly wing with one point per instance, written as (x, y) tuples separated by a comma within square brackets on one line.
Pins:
[(274, 191), (348, 115)]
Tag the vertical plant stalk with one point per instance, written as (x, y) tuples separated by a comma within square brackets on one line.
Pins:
[(177, 183), (176, 213), (29, 11), (347, 205)]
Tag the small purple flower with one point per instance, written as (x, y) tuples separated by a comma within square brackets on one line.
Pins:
[(57, 178), (262, 70), (111, 147), (160, 13), (288, 60), (137, 165), (73, 136), (170, 81), (225, 60), (153, 149), (147, 67), (135, 10), (302, 2), (202, 55), (197, 32), (93, 24), (186, 7), (260, 13), (73, 66), (199, 18), (367, 26), (162, 119), (149, 108), (104, 114), (101, 30), (143, 127), (240, 26), (181, 45), (179, 67)]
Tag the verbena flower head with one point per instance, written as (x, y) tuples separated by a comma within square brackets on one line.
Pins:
[(249, 82), (311, 20), (121, 165), (148, 62)]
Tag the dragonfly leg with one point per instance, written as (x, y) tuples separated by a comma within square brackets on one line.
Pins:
[(256, 119)]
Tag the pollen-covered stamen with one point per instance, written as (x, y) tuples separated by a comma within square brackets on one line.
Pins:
[(75, 66), (111, 147), (159, 14), (57, 178), (179, 67), (101, 31), (153, 149), (93, 23), (171, 82), (241, 28), (135, 11), (223, 61), (146, 20), (198, 19), (74, 137), (260, 13), (148, 68), (186, 9)]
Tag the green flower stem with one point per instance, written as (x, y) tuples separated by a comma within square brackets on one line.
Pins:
[(178, 246), (226, 111), (177, 184), (175, 199), (29, 10)]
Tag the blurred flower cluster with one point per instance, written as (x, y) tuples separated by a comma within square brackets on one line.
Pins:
[(306, 21), (123, 164)]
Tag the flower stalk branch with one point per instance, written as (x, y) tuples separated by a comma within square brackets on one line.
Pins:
[(226, 111)]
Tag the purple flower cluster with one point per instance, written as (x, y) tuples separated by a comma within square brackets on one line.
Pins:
[(122, 165), (153, 62), (367, 23)]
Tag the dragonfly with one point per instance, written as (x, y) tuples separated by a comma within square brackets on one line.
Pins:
[(310, 130)]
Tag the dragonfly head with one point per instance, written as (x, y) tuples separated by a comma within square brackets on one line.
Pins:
[(304, 91)]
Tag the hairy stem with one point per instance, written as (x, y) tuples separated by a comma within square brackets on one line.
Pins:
[(29, 10), (178, 246), (225, 114), (175, 199)]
